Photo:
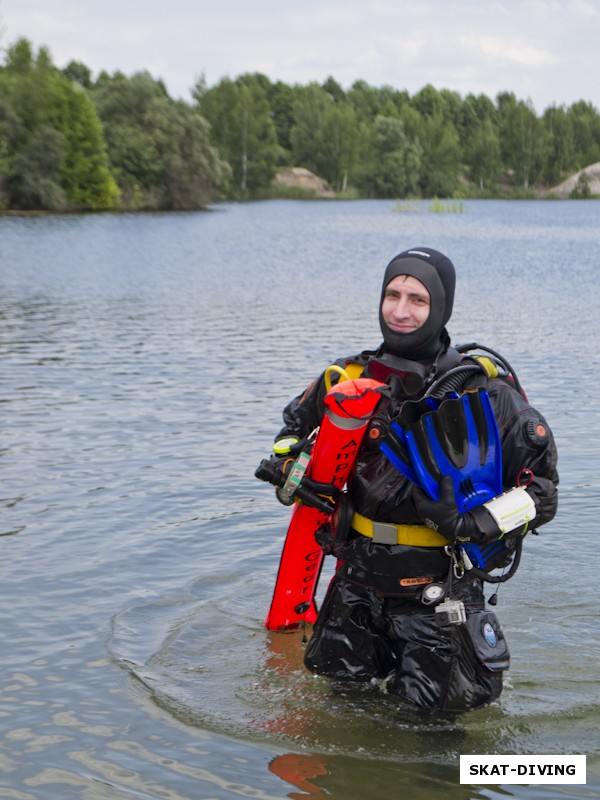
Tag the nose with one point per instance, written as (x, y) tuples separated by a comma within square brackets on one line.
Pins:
[(401, 307)]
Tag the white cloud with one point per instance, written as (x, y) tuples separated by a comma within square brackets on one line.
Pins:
[(501, 52), (584, 9), (543, 49)]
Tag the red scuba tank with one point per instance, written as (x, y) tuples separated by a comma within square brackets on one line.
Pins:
[(349, 407)]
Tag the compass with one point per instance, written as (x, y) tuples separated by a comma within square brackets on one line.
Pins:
[(433, 594)]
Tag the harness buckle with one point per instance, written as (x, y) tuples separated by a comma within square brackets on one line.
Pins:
[(385, 533)]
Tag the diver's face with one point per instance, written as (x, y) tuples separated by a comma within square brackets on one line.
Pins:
[(405, 304)]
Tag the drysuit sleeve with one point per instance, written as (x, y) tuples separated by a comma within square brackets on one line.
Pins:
[(529, 455), (303, 414)]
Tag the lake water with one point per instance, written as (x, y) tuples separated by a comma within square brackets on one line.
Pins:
[(145, 360)]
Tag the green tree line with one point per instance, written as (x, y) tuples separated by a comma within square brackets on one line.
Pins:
[(69, 141)]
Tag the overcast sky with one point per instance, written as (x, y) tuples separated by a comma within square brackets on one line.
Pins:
[(547, 51)]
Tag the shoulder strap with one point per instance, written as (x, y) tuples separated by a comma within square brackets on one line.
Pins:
[(354, 370)]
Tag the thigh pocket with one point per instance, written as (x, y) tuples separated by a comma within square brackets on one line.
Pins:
[(487, 638)]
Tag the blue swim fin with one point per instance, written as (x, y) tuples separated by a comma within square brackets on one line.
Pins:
[(395, 448), (459, 437), (395, 445)]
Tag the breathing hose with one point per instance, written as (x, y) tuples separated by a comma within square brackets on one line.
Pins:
[(453, 380)]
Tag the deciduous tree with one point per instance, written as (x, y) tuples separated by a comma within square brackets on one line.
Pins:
[(242, 129), (159, 148), (55, 154), (391, 163)]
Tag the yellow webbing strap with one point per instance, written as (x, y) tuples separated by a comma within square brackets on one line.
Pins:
[(354, 370), (388, 533), (491, 370)]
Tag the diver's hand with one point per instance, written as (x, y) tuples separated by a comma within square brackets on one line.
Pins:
[(477, 525)]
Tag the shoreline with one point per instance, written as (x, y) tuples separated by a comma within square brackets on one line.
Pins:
[(436, 204)]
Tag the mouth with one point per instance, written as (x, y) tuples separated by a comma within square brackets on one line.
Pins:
[(401, 328)]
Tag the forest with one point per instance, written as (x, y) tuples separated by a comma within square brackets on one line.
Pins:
[(70, 141)]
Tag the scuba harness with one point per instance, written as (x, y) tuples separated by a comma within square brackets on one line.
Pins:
[(464, 372)]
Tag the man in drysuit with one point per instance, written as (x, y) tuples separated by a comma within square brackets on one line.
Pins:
[(400, 555)]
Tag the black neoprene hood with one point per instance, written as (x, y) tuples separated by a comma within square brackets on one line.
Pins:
[(436, 273)]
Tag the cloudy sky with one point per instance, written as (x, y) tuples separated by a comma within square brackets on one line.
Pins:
[(547, 51)]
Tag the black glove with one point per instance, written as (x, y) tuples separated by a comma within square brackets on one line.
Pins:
[(477, 525)]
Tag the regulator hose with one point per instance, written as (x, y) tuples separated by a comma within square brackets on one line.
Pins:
[(464, 348), (453, 380)]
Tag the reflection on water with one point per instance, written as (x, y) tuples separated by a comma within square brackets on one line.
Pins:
[(145, 362), (263, 692)]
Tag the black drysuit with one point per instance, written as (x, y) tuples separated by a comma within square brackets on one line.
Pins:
[(373, 624)]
